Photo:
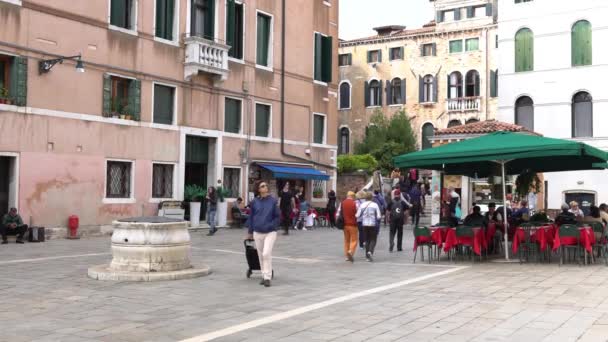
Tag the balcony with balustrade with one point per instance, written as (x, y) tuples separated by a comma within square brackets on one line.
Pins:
[(207, 56), (463, 104)]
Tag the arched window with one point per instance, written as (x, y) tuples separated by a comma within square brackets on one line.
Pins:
[(395, 91), (472, 84), (582, 115), (524, 112), (455, 85), (344, 95), (344, 147), (428, 89), (581, 43), (524, 50), (454, 123), (428, 130), (373, 95), (470, 121)]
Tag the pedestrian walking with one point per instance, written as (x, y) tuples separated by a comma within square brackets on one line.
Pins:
[(262, 223), (211, 200), (348, 210), (397, 210), (379, 200), (360, 195), (287, 204), (415, 199), (304, 206), (331, 208), (370, 214)]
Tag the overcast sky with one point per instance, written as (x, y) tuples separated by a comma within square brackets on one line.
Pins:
[(359, 17)]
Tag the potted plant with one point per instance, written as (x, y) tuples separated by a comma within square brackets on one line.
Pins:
[(222, 205), (194, 194), (317, 193), (4, 96)]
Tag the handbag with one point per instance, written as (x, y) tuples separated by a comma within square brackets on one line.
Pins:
[(340, 219)]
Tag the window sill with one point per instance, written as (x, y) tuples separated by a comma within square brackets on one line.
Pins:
[(327, 3), (265, 68), (344, 66), (321, 83), (349, 108), (396, 60), (168, 42), (323, 145), (12, 2), (426, 104), (396, 105), (163, 126), (236, 60), (373, 107), (118, 201), (158, 200), (123, 30)]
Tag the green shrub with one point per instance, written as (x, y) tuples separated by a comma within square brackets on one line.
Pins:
[(355, 162)]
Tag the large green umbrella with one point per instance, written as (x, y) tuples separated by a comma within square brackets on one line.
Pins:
[(512, 152)]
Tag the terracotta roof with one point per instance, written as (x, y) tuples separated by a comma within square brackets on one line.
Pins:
[(482, 127), (428, 28)]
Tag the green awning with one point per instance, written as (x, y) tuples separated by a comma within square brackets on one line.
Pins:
[(477, 157)]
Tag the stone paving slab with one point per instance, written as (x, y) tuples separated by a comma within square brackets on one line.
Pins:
[(48, 297)]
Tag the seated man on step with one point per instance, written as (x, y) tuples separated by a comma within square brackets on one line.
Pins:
[(12, 224)]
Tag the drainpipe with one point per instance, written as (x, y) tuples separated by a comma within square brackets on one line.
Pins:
[(283, 28)]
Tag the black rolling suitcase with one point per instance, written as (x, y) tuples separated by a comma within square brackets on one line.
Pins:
[(251, 253), (35, 234)]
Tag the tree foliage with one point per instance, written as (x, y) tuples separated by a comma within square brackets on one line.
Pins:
[(356, 162), (387, 138)]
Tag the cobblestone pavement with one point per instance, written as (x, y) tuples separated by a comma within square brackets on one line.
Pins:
[(316, 295)]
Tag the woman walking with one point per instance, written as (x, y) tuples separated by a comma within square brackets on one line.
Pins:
[(331, 208), (262, 223), (211, 200), (348, 210), (370, 214), (287, 204)]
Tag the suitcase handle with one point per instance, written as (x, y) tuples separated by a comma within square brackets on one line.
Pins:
[(249, 243)]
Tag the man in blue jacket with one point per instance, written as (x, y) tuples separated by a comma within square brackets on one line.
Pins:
[(263, 221)]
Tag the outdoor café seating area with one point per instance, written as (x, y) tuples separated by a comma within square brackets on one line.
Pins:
[(541, 242)]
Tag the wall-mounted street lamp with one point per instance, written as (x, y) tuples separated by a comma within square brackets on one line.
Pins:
[(45, 66)]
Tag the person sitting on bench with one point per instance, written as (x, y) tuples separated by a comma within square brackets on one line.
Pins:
[(12, 224)]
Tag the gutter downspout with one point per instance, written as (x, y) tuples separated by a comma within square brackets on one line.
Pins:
[(283, 28)]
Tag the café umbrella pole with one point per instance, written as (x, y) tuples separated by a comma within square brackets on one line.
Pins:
[(504, 209)]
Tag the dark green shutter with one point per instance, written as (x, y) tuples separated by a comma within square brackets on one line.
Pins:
[(401, 53), (350, 59), (457, 14), (210, 20), (18, 79), (161, 13), (326, 64), (435, 90), (379, 56), (389, 97), (262, 120), (135, 99), (366, 93), (318, 129), (420, 89), (232, 116), (581, 43), (489, 10), (163, 104), (169, 19), (263, 37), (118, 13), (434, 49), (107, 95), (493, 89), (380, 93), (470, 12), (369, 56), (318, 57), (403, 99), (439, 16), (230, 25)]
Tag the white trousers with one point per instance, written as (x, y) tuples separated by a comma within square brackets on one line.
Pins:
[(264, 243)]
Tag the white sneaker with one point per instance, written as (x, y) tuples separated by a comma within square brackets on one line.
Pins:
[(304, 228)]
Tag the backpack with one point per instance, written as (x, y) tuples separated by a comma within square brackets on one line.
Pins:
[(397, 211)]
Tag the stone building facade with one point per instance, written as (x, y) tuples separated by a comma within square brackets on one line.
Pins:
[(174, 92), (442, 75)]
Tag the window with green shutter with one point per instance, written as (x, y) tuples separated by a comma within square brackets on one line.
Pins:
[(524, 50), (232, 115), (472, 44), (262, 120), (234, 28), (165, 16), (263, 50), (318, 129), (455, 46), (396, 53), (122, 13), (202, 20), (121, 97), (164, 104), (493, 83), (344, 59), (322, 58), (582, 47), (13, 80)]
